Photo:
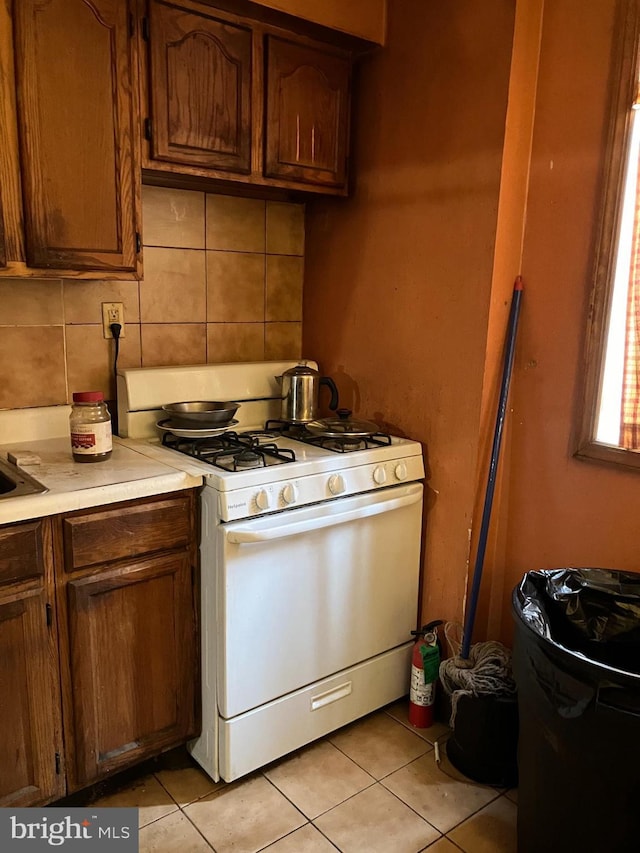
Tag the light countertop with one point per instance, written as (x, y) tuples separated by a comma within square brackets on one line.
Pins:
[(78, 485)]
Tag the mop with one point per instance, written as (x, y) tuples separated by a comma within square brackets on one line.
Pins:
[(484, 669)]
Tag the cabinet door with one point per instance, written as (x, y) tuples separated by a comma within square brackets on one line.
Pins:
[(30, 744), (132, 665), (200, 89), (307, 122), (31, 766), (3, 255), (75, 117)]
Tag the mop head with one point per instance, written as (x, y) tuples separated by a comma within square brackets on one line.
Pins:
[(487, 672)]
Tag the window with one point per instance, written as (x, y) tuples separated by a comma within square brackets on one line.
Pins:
[(610, 429)]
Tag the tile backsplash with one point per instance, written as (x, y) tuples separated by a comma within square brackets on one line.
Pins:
[(222, 282)]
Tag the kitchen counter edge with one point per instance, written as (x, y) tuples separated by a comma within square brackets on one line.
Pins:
[(58, 501)]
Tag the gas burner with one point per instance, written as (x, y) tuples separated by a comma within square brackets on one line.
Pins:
[(346, 443), (258, 438), (248, 459), (232, 451), (287, 429)]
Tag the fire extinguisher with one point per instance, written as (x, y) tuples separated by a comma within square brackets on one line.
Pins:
[(425, 663)]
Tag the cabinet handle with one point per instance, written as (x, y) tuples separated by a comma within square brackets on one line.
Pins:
[(49, 611)]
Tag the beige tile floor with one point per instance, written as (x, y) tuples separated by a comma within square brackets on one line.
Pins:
[(372, 787)]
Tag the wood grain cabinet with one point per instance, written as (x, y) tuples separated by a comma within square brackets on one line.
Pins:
[(31, 767), (127, 633), (240, 101), (98, 644), (3, 251), (200, 89), (77, 137), (307, 119)]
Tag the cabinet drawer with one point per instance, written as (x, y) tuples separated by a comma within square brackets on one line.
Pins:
[(126, 531), (21, 552)]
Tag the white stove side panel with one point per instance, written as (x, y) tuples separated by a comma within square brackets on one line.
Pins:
[(205, 748)]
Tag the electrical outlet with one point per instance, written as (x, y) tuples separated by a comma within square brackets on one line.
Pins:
[(112, 312)]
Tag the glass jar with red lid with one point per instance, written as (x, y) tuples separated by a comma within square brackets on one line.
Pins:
[(90, 427)]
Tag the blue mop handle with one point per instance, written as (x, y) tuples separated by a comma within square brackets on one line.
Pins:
[(493, 467)]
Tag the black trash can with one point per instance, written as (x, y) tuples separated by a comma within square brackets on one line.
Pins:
[(576, 662)]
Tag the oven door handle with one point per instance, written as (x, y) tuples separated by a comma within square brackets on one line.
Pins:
[(380, 503)]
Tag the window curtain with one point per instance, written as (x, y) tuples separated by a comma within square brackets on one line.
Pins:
[(630, 410)]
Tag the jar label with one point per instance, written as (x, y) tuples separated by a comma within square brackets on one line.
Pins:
[(90, 439)]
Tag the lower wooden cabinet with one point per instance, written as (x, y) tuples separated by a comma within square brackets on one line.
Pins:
[(30, 731), (98, 664), (130, 665)]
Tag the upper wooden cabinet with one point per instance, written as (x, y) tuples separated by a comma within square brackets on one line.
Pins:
[(76, 134), (200, 89), (3, 254), (237, 100), (307, 113)]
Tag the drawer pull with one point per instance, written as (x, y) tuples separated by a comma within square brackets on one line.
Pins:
[(330, 696)]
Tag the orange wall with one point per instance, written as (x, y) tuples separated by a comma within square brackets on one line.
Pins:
[(364, 18), (408, 282), (560, 511), (398, 278)]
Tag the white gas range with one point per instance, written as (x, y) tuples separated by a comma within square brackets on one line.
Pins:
[(309, 563)]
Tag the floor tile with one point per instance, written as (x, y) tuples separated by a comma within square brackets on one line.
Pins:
[(186, 784), (172, 834), (492, 830), (379, 744), (513, 795), (437, 794), (400, 711), (244, 817), (145, 794), (307, 839), (443, 845), (374, 821), (318, 778)]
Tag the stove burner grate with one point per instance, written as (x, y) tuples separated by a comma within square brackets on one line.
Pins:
[(231, 451), (340, 444)]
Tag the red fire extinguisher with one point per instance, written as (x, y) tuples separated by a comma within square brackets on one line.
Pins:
[(425, 663)]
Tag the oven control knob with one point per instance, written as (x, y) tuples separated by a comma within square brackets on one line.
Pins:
[(401, 471), (263, 499), (380, 475), (289, 493), (336, 484)]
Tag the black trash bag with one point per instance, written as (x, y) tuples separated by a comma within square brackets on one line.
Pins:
[(576, 662), (595, 612)]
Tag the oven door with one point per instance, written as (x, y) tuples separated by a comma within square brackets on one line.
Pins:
[(305, 593)]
